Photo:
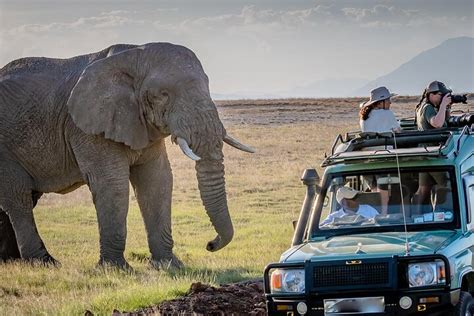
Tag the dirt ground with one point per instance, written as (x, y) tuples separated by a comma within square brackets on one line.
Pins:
[(304, 111), (244, 298)]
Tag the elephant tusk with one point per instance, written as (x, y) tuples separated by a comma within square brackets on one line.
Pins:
[(235, 143), (183, 144)]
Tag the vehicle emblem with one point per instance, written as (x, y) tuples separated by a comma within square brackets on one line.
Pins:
[(350, 262), (359, 250)]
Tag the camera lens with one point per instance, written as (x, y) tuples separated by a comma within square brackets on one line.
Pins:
[(461, 120), (458, 98)]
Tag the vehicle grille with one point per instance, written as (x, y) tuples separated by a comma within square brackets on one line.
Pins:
[(374, 273)]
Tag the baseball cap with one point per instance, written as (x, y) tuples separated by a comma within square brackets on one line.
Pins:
[(345, 193), (437, 86)]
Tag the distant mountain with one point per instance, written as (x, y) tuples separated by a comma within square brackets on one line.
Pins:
[(451, 62)]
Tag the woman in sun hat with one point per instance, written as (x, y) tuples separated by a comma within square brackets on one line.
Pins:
[(375, 114)]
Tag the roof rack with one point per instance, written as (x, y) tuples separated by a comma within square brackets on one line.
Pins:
[(358, 146)]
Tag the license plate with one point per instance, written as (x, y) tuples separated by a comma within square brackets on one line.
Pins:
[(354, 306)]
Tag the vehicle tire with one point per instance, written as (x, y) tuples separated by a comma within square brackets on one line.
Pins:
[(465, 306)]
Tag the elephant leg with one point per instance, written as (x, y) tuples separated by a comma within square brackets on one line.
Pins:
[(111, 202), (105, 168), (110, 190), (153, 186), (17, 201), (8, 244)]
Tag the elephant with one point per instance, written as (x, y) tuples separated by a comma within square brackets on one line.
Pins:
[(101, 120)]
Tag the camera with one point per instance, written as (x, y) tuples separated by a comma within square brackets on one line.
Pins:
[(465, 119), (459, 98)]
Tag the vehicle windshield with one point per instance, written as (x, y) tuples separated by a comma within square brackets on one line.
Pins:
[(382, 199)]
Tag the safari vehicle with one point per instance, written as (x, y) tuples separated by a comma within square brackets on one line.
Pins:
[(414, 257)]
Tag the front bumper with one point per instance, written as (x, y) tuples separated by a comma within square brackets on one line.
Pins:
[(391, 303), (373, 286)]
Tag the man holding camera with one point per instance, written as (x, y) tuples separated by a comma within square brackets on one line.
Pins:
[(434, 112)]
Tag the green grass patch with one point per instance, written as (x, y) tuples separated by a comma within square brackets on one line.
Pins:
[(264, 196)]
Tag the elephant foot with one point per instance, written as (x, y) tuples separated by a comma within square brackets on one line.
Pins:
[(121, 264), (172, 263), (46, 260)]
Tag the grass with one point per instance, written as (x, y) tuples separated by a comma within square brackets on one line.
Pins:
[(264, 196)]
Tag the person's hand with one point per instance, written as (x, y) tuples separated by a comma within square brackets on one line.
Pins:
[(446, 100)]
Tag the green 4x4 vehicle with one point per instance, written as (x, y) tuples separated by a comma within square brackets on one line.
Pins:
[(389, 230)]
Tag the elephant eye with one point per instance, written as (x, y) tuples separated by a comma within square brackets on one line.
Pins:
[(164, 94)]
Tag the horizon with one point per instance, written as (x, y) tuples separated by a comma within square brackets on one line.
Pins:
[(257, 49)]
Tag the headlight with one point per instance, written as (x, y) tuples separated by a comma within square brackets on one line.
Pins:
[(287, 281), (426, 273)]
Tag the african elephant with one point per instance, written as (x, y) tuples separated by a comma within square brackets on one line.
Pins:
[(101, 119)]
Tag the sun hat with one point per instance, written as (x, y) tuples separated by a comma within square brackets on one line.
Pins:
[(437, 86), (345, 193), (378, 94)]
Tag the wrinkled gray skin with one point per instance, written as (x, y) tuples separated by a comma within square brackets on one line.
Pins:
[(101, 119)]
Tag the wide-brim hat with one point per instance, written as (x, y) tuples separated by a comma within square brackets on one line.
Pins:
[(378, 94), (345, 193)]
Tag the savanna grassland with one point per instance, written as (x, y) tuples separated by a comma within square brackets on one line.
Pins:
[(264, 196)]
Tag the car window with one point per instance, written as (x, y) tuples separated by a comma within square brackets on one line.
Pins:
[(387, 198)]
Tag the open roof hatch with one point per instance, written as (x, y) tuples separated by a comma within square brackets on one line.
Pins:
[(357, 146)]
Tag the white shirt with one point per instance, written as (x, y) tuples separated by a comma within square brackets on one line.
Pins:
[(364, 210), (379, 121)]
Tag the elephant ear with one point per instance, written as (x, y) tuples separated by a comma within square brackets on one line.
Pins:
[(105, 100)]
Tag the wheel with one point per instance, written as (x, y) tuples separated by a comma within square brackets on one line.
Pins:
[(465, 306)]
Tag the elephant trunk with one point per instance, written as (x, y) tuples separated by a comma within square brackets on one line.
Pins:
[(211, 182)]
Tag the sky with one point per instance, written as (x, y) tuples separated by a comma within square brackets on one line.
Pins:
[(246, 47)]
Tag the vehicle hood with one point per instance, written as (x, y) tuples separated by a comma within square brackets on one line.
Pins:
[(370, 245)]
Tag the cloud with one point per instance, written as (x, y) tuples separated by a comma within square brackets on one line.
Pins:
[(253, 44), (98, 22), (250, 16)]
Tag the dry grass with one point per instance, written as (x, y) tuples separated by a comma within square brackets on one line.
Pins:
[(264, 193)]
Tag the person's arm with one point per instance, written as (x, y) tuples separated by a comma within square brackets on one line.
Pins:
[(438, 120), (392, 121), (367, 211), (396, 125), (328, 220), (362, 125), (331, 217)]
